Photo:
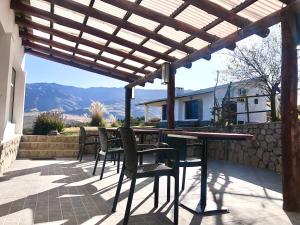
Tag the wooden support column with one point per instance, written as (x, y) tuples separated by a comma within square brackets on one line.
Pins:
[(128, 93), (290, 124), (171, 100)]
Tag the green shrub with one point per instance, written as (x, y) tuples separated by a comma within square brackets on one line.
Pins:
[(47, 121), (97, 110)]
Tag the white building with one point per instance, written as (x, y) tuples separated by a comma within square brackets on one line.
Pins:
[(195, 108), (12, 86)]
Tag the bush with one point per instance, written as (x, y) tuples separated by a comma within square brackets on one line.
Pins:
[(114, 121), (97, 110), (47, 121)]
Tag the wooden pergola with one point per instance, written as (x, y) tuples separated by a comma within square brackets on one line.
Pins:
[(130, 40)]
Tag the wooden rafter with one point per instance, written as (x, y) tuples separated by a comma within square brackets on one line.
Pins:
[(29, 24), (162, 19), (92, 12), (79, 60), (27, 9), (51, 43), (247, 31), (73, 64)]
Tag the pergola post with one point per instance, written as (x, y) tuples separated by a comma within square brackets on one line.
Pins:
[(171, 100), (128, 95), (290, 124)]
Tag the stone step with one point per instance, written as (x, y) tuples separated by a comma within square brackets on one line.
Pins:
[(24, 153), (47, 138), (49, 145)]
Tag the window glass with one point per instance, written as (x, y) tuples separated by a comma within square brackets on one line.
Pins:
[(191, 110), (12, 95)]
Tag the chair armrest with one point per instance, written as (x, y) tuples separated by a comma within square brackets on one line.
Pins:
[(113, 139), (143, 147), (165, 153)]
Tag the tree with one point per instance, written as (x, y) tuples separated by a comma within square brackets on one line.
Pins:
[(261, 62)]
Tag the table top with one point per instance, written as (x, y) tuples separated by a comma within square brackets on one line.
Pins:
[(139, 130), (208, 135)]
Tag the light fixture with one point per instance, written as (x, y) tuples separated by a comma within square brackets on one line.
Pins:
[(165, 73)]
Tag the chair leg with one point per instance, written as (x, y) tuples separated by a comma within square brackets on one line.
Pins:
[(118, 190), (96, 151), (81, 152), (114, 155), (183, 178), (156, 191), (168, 188), (176, 196), (118, 162), (103, 166), (130, 196), (96, 162)]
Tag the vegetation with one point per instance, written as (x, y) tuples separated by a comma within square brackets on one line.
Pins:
[(114, 122), (48, 121), (97, 110), (261, 62)]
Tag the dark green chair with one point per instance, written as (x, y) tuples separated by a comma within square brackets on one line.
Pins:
[(134, 171), (83, 142), (108, 146)]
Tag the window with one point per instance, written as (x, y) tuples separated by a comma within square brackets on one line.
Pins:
[(164, 112), (12, 95), (256, 101), (191, 110)]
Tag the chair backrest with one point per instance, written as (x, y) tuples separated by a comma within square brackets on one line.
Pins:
[(130, 149), (82, 135), (180, 144), (103, 138)]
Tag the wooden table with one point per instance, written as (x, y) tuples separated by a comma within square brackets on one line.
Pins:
[(200, 206)]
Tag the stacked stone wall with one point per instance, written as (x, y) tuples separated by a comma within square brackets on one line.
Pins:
[(8, 153)]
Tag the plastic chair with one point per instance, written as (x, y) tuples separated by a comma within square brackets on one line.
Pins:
[(134, 171), (83, 142)]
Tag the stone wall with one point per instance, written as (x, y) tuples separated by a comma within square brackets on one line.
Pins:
[(263, 152), (8, 153)]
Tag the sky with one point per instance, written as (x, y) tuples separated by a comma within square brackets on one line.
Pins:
[(202, 74)]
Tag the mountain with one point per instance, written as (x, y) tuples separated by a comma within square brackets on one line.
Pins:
[(76, 101)]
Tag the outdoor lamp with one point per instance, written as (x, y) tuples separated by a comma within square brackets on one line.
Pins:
[(165, 73)]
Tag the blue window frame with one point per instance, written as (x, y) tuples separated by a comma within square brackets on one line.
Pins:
[(192, 110)]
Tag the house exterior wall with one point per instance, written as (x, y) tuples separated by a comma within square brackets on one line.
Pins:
[(11, 57)]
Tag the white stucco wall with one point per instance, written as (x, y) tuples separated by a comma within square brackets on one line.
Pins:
[(11, 56)]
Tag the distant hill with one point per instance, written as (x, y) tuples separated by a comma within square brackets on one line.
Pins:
[(76, 101)]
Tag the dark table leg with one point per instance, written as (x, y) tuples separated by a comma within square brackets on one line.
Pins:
[(201, 206), (141, 155)]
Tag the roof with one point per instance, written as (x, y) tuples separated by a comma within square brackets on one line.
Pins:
[(199, 92), (130, 39)]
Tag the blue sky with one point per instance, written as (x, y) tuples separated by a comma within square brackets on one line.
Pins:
[(201, 75)]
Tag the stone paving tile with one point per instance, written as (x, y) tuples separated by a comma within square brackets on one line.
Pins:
[(64, 192)]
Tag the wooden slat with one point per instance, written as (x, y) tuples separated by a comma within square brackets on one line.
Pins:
[(92, 12), (245, 32), (73, 64), (79, 60), (162, 19), (27, 9), (220, 12), (33, 25), (52, 43)]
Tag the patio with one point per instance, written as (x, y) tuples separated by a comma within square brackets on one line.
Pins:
[(64, 192)]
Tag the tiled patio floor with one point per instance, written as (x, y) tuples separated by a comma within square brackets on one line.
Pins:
[(64, 192)]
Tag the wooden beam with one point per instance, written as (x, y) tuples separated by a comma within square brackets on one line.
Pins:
[(171, 101), (109, 71), (92, 12), (51, 43), (27, 9), (220, 12), (128, 95), (29, 24), (241, 34), (73, 64), (162, 19), (289, 114)]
